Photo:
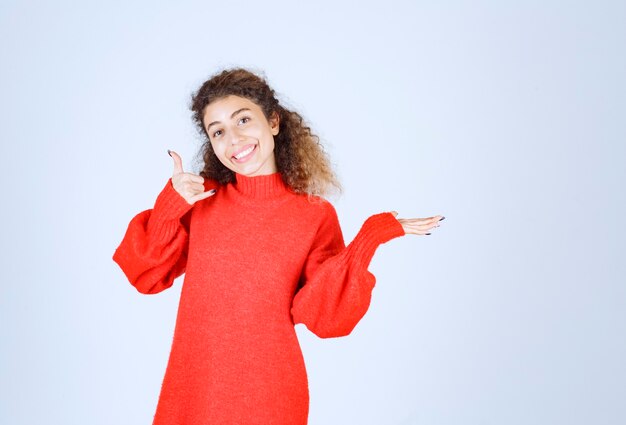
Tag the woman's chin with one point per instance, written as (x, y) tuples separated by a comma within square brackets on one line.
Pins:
[(251, 168)]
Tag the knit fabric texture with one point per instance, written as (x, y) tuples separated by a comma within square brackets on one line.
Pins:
[(258, 258)]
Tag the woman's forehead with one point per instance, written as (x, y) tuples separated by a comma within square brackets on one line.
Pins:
[(226, 106)]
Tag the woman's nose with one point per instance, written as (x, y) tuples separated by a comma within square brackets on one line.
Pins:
[(236, 137)]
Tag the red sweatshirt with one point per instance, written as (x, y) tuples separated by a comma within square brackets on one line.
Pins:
[(258, 258)]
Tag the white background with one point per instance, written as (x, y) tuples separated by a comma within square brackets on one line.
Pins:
[(507, 118)]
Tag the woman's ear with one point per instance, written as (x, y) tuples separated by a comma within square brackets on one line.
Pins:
[(275, 123)]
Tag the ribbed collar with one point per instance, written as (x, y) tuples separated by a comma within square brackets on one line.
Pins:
[(264, 186)]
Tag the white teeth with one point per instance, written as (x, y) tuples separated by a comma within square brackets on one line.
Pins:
[(244, 153)]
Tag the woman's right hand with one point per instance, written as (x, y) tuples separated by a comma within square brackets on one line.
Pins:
[(190, 186)]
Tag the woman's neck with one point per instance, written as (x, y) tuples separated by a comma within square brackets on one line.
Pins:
[(263, 186)]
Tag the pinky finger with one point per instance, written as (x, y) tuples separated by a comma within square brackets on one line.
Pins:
[(202, 195)]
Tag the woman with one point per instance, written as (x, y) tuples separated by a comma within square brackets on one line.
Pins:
[(261, 251)]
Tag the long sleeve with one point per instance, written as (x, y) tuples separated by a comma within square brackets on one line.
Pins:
[(335, 286), (153, 251)]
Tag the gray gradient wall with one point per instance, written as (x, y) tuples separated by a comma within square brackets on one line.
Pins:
[(506, 117)]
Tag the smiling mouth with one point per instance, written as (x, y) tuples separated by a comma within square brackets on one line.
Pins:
[(244, 154)]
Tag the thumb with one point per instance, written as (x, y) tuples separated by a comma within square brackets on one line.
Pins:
[(178, 162), (395, 213)]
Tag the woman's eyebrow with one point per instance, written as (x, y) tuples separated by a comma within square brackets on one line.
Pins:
[(231, 117)]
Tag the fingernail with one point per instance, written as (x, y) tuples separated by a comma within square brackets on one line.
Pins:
[(442, 218), (169, 152)]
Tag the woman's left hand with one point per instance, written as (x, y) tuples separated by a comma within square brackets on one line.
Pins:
[(418, 226)]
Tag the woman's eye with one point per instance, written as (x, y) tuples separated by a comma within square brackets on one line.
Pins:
[(242, 120)]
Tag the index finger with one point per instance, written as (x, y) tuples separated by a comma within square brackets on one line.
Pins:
[(194, 178)]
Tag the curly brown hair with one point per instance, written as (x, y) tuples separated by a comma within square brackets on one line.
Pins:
[(300, 158)]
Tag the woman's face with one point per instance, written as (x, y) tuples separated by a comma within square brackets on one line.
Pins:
[(241, 136)]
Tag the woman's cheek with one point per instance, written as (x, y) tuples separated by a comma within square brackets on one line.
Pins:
[(219, 148)]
